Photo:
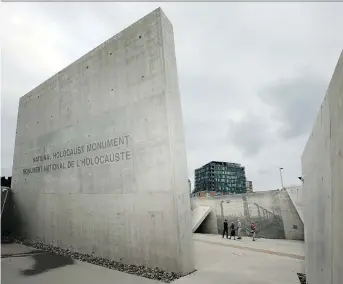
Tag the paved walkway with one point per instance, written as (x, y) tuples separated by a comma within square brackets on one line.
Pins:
[(243, 261), (217, 260), (286, 248)]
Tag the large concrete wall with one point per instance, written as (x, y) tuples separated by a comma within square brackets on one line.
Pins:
[(322, 166), (273, 212), (100, 162)]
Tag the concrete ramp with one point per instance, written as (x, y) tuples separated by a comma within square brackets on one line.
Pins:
[(198, 216), (296, 195)]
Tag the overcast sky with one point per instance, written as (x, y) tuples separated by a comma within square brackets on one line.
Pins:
[(252, 75)]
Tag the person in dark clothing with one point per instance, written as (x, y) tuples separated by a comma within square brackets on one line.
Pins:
[(253, 230), (233, 231), (226, 229)]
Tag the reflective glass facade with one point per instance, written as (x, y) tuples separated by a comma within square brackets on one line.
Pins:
[(220, 177)]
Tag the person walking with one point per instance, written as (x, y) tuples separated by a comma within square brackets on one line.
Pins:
[(226, 229), (253, 230), (239, 228), (233, 232)]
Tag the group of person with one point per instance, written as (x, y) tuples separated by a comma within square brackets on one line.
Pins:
[(233, 229)]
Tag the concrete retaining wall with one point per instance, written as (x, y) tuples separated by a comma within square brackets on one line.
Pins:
[(322, 166), (273, 212), (296, 195), (100, 162)]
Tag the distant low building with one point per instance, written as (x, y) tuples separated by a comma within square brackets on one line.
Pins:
[(249, 186), (220, 177)]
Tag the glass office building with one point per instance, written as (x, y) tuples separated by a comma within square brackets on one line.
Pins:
[(220, 177)]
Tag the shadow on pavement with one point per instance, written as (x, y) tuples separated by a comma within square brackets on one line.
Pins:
[(44, 261)]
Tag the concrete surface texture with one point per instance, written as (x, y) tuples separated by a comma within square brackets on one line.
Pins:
[(296, 195), (217, 261), (273, 211), (21, 264), (198, 215), (322, 168), (100, 162)]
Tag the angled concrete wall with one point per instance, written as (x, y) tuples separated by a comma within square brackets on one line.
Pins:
[(292, 222), (198, 215), (296, 195), (322, 166), (100, 162), (210, 223)]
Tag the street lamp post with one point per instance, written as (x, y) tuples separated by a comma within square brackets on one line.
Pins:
[(282, 187)]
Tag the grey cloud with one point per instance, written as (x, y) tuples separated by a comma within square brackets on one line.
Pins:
[(248, 135), (263, 172), (295, 103), (207, 96), (203, 135), (224, 51)]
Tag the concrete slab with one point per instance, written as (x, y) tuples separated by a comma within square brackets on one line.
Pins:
[(198, 216), (31, 266), (100, 159)]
